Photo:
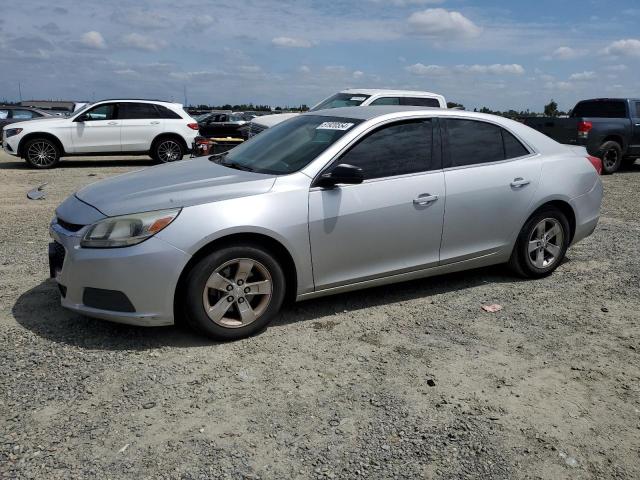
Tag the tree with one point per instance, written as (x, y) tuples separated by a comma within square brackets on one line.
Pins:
[(551, 109), (459, 106)]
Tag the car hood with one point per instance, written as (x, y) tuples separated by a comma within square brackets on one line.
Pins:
[(269, 121), (37, 122), (179, 184)]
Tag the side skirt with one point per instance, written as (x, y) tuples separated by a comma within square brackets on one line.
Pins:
[(477, 262)]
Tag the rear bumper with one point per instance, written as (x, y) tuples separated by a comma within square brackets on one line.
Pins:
[(587, 211)]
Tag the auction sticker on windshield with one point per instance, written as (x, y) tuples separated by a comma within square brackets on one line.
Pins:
[(358, 99), (334, 126)]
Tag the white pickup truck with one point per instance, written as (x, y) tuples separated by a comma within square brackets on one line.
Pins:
[(355, 98)]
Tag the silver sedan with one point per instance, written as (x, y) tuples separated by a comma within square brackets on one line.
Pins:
[(326, 202)]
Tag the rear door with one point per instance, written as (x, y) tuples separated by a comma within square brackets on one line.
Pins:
[(490, 178), (97, 130), (392, 222), (141, 123)]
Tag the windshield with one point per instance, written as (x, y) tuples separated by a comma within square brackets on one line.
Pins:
[(289, 146), (341, 100), (80, 111)]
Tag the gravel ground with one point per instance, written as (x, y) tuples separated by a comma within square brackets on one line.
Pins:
[(408, 381)]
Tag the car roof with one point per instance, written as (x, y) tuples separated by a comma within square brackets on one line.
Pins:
[(369, 112), (376, 91), (148, 100)]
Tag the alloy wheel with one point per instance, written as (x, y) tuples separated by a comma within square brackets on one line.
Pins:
[(169, 151), (42, 154), (237, 293), (545, 243)]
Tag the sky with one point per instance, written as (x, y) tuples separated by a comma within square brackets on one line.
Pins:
[(500, 54)]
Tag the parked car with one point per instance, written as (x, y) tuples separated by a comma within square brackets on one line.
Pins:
[(355, 98), (326, 202), (608, 127), (109, 127), (11, 114), (222, 124)]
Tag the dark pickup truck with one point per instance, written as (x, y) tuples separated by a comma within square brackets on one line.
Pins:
[(608, 127)]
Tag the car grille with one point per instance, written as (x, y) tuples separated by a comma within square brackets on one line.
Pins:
[(71, 227), (255, 129)]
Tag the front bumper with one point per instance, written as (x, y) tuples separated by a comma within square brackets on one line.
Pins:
[(145, 274), (10, 145)]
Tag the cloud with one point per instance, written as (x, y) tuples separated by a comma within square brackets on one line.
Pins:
[(144, 19), (304, 69), (402, 3), (563, 86), (202, 21), (93, 40), (583, 76), (623, 48), (566, 53), (440, 71), (616, 68), (495, 69), (427, 70), (438, 22), (290, 42), (357, 74), (142, 42)]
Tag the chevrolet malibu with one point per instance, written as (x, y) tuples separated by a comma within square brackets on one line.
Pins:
[(326, 202)]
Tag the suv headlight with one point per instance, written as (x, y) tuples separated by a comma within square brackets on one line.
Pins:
[(10, 132), (128, 229)]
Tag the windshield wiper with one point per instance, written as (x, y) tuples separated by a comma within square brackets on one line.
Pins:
[(218, 158)]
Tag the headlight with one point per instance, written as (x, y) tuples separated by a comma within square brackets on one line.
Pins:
[(128, 229), (10, 132)]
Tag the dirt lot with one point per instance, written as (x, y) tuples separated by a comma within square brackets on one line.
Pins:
[(408, 381)]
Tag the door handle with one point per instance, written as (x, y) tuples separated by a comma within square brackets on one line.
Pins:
[(155, 123), (112, 123), (425, 199), (637, 124), (519, 182)]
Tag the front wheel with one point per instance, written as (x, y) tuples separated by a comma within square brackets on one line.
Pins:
[(41, 153), (234, 292), (541, 245), (167, 150)]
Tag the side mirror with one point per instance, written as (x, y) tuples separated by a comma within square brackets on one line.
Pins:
[(81, 118), (341, 174)]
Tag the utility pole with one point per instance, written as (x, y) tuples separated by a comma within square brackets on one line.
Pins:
[(20, 91), (185, 95)]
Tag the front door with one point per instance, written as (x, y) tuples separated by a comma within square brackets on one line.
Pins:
[(392, 222), (491, 178), (97, 130)]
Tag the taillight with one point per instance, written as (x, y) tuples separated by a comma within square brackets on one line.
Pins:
[(193, 126), (596, 162), (584, 128)]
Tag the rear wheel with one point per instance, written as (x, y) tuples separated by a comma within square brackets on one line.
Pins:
[(234, 292), (611, 155), (167, 150), (41, 153), (541, 245)]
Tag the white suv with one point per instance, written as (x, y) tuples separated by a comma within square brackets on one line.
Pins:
[(359, 97), (162, 130)]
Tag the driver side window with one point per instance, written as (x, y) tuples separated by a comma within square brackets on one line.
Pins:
[(101, 112)]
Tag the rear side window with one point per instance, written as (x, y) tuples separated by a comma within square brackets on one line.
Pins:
[(601, 109), (136, 111), (420, 102), (512, 146), (473, 142), (396, 149), (637, 109), (164, 112), (386, 101), (4, 114)]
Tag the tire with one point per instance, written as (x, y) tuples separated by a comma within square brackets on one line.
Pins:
[(541, 261), (217, 285), (42, 153), (168, 149), (611, 155)]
